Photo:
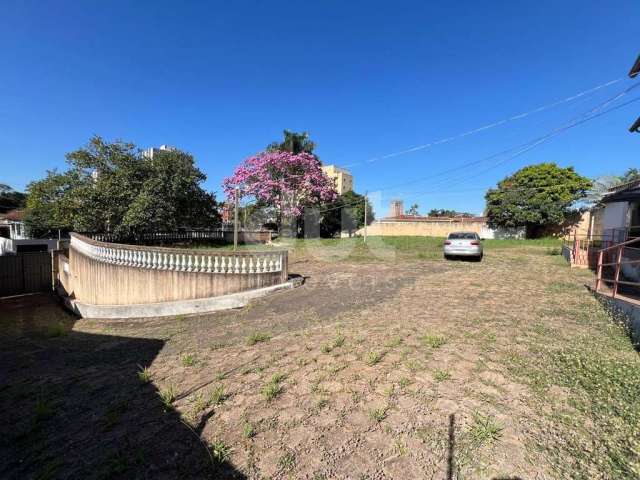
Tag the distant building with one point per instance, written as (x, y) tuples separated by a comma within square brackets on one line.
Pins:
[(396, 208), (341, 177), (150, 152), (14, 237)]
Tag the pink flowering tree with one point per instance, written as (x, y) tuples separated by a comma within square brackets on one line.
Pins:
[(286, 181)]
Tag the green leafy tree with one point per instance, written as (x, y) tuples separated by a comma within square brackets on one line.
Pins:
[(442, 212), (294, 143), (10, 199), (345, 213), (539, 197), (630, 175), (413, 210), (112, 187)]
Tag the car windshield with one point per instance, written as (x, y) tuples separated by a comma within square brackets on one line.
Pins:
[(462, 236)]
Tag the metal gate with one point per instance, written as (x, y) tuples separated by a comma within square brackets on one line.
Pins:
[(25, 273)]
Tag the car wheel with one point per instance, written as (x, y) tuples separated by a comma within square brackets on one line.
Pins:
[(447, 257)]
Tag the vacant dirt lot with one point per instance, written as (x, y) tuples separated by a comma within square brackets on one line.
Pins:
[(405, 368)]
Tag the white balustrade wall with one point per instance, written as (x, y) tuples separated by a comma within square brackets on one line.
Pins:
[(174, 260)]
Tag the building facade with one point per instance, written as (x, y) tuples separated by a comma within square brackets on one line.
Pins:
[(150, 152), (341, 177)]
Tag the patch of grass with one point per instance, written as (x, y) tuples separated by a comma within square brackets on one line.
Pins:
[(258, 337), (57, 330), (560, 287), (338, 341), (144, 374), (168, 396), (393, 342), (220, 451), (248, 430), (287, 461), (43, 409), (321, 403), (374, 358), (217, 395), (114, 413), (188, 360), (400, 448), (326, 348), (218, 346), (404, 382), (433, 341), (378, 414), (335, 368), (273, 388), (441, 375), (484, 429)]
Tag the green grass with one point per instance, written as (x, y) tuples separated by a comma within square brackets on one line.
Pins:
[(382, 248), (144, 374), (248, 430), (378, 414), (217, 395), (374, 358), (273, 388), (188, 360), (441, 375), (287, 461), (485, 429), (220, 451), (258, 337), (168, 396), (433, 341)]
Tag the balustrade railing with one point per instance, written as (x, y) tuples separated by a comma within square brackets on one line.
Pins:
[(177, 259), (622, 262)]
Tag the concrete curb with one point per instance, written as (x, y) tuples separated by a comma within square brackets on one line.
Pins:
[(179, 307)]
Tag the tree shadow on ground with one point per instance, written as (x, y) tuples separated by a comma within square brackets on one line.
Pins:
[(73, 405)]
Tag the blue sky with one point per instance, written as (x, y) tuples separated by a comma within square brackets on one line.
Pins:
[(223, 79)]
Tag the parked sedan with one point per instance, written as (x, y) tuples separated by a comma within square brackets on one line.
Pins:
[(463, 244)]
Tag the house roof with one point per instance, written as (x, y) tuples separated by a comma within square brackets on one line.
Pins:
[(623, 193), (15, 215)]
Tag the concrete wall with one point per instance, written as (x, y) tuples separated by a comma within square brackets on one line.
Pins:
[(437, 228), (89, 280)]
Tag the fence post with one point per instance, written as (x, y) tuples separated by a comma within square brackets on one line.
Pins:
[(617, 277), (599, 275)]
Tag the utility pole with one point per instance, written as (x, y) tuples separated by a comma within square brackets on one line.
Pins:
[(235, 220), (365, 216)]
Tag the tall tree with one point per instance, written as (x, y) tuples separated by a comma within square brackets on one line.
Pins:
[(113, 187), (537, 197), (286, 181), (630, 175), (413, 210), (345, 213), (10, 199), (293, 142)]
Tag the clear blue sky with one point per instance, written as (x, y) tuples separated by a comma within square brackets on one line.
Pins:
[(223, 79)]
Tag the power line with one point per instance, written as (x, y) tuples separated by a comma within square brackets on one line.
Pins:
[(488, 126), (525, 147)]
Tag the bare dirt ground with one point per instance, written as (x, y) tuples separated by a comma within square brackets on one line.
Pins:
[(371, 370)]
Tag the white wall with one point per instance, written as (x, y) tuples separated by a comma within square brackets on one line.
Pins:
[(615, 215)]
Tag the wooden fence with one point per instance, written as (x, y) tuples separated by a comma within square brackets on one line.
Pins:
[(25, 273)]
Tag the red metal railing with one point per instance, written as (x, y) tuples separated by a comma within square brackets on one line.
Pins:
[(613, 258)]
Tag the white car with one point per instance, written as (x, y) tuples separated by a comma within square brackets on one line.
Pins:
[(463, 244)]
